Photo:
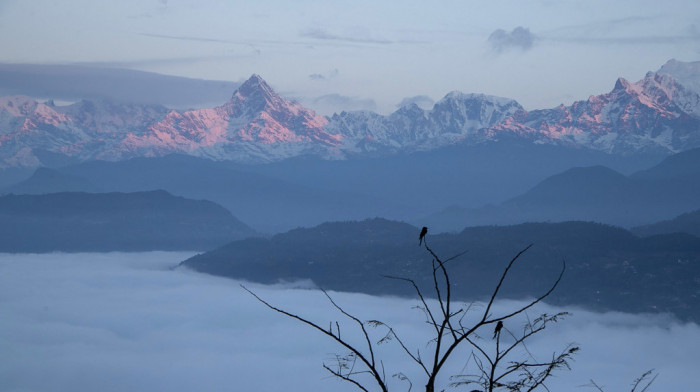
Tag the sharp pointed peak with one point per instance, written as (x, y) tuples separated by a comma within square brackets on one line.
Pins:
[(255, 78), (255, 81), (621, 84), (256, 86)]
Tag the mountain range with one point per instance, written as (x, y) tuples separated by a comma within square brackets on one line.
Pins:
[(595, 193), (447, 189), (656, 115)]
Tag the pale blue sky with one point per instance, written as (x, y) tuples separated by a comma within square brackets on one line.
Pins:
[(366, 54)]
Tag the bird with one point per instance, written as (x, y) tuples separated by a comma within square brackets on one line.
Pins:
[(497, 330), (423, 232)]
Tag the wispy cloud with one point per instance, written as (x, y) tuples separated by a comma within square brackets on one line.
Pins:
[(192, 38), (253, 42), (520, 37), (71, 82), (166, 61), (320, 34)]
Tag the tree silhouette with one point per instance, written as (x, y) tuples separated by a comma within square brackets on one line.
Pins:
[(502, 363)]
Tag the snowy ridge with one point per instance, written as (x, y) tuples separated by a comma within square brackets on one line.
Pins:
[(686, 73), (454, 118), (655, 114), (255, 125)]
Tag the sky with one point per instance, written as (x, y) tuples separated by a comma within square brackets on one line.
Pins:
[(127, 321), (362, 54)]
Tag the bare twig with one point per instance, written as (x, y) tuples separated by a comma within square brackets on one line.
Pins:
[(518, 376)]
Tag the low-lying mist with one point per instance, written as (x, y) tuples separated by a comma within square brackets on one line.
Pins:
[(127, 321)]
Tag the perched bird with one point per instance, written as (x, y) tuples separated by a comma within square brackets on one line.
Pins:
[(423, 232), (497, 330)]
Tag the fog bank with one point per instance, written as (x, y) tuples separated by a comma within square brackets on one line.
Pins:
[(126, 321)]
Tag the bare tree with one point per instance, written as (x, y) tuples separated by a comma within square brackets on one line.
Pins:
[(640, 384), (493, 367)]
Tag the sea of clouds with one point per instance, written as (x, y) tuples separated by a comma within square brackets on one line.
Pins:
[(130, 322)]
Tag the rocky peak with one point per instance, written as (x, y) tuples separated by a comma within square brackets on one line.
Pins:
[(622, 85), (410, 109), (256, 95), (255, 86)]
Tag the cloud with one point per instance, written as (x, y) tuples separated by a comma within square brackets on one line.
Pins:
[(73, 82), (116, 322), (317, 76), (320, 34), (423, 101), (521, 37), (329, 75), (192, 38), (260, 42)]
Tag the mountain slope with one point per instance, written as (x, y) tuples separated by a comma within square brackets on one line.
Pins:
[(458, 174), (685, 223), (73, 221), (684, 165), (46, 180), (592, 193)]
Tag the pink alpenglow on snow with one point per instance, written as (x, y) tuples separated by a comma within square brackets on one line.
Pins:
[(657, 113)]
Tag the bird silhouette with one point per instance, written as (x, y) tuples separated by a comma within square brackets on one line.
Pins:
[(423, 232), (497, 330)]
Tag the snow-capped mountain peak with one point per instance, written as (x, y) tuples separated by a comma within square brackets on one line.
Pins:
[(256, 124), (455, 117), (653, 114), (686, 73), (658, 113), (256, 94)]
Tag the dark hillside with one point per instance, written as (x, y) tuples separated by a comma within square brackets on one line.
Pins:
[(607, 267), (100, 222)]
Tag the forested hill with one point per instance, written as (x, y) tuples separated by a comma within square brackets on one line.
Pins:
[(76, 221), (606, 267)]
